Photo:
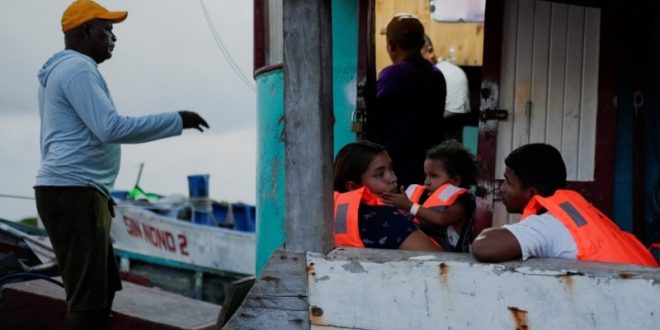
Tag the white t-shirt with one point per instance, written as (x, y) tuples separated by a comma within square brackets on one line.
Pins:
[(543, 236), (458, 93)]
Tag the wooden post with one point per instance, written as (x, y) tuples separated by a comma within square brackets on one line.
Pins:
[(308, 122)]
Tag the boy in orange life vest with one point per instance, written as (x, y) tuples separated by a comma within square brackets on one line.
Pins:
[(447, 206), (555, 223), (363, 170)]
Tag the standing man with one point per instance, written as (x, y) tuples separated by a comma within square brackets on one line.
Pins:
[(458, 91), (81, 133), (409, 93), (555, 222)]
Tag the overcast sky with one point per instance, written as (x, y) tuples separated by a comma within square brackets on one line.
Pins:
[(165, 59)]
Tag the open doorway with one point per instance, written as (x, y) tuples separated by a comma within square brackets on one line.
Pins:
[(456, 30)]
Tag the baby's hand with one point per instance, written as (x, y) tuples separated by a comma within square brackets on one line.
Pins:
[(398, 200)]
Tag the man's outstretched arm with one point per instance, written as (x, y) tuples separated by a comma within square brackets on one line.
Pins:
[(495, 245)]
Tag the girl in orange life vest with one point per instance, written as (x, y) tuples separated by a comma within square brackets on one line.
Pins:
[(362, 172), (447, 208)]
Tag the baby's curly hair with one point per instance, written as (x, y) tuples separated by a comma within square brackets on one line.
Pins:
[(457, 160)]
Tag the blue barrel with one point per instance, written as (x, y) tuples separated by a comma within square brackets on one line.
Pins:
[(221, 214), (198, 185), (198, 190), (244, 217), (119, 194)]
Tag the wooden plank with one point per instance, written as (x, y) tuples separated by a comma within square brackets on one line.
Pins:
[(280, 279), (507, 101), (236, 293), (607, 108), (589, 102), (384, 11), (490, 99), (540, 60), (522, 106), (467, 39), (278, 299), (261, 318), (259, 41), (308, 125), (500, 215), (573, 81), (286, 303), (556, 73), (507, 85)]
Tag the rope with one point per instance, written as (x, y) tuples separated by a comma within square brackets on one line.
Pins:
[(17, 277)]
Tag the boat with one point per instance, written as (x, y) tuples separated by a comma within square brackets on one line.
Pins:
[(140, 231), (194, 246)]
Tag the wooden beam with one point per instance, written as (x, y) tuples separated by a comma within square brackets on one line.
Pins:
[(308, 122), (278, 299), (259, 52), (236, 293)]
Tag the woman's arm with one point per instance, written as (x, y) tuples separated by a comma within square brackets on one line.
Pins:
[(417, 241)]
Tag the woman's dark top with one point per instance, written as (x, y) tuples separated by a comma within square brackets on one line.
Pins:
[(383, 227)]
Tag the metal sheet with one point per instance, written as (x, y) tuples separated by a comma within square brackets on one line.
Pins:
[(452, 291)]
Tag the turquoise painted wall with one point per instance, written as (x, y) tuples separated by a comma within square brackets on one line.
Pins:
[(344, 68), (471, 138), (270, 109), (270, 165)]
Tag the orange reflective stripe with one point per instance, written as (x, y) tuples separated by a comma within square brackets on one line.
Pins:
[(596, 236), (445, 195)]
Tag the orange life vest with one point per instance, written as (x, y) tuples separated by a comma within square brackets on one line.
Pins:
[(596, 236), (347, 232), (442, 198)]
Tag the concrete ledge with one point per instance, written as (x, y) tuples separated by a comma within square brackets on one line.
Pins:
[(40, 305)]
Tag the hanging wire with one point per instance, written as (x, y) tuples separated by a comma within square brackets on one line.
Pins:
[(223, 48), (16, 196)]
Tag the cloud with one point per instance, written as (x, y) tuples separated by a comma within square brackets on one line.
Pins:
[(168, 163)]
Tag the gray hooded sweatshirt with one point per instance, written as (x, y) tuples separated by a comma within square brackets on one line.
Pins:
[(81, 130)]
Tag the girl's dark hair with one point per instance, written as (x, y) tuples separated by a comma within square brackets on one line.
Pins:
[(457, 161), (352, 161), (540, 166)]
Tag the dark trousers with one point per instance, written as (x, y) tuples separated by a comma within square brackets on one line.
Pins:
[(78, 221)]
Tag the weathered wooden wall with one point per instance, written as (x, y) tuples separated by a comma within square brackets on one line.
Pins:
[(466, 38), (308, 120)]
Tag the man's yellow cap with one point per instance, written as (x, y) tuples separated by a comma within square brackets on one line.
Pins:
[(83, 11)]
